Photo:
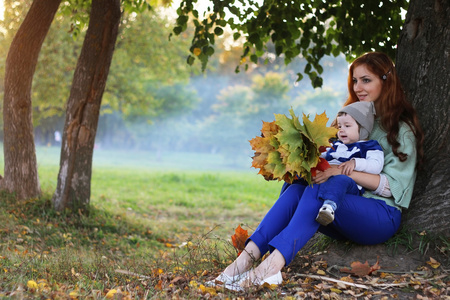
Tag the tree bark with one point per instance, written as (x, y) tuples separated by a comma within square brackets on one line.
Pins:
[(423, 63), (73, 189), (21, 175)]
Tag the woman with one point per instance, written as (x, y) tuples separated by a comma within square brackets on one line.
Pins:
[(369, 219)]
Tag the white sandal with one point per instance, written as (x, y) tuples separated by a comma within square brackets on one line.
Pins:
[(226, 280)]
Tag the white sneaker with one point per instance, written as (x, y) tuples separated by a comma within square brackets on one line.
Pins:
[(276, 279), (226, 280), (325, 215)]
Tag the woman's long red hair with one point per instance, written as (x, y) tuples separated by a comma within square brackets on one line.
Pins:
[(392, 106)]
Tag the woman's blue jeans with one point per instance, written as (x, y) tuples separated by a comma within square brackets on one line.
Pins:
[(290, 223)]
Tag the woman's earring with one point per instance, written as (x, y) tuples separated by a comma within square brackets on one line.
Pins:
[(384, 77)]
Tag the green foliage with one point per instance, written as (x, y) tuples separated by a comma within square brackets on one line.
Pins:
[(320, 100), (78, 11), (241, 108), (311, 29), (54, 74), (147, 75), (145, 60)]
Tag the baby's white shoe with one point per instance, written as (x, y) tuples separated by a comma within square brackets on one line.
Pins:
[(325, 215)]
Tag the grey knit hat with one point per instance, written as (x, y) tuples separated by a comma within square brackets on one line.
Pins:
[(364, 113)]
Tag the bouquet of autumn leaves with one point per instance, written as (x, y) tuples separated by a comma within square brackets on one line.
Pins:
[(287, 148)]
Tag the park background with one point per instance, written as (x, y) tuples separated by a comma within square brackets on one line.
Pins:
[(171, 164)]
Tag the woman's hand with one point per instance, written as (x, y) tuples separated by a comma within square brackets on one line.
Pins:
[(322, 176)]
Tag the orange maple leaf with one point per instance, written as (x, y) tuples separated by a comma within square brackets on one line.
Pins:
[(238, 238), (322, 165), (361, 270)]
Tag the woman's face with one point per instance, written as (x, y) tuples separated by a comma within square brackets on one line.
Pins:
[(366, 85)]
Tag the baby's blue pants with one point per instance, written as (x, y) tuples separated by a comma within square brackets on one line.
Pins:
[(335, 189), (290, 223)]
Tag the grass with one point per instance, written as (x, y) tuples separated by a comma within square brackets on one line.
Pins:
[(156, 230), (146, 217)]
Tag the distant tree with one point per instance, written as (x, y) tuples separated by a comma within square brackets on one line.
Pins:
[(319, 101), (240, 110), (21, 174), (144, 56), (164, 128), (270, 95)]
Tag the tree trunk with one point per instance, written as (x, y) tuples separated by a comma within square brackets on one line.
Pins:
[(21, 175), (73, 190), (423, 62)]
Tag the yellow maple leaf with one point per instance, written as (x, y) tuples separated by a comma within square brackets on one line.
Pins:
[(111, 293), (74, 295), (318, 131), (269, 129), (207, 290), (31, 284), (261, 144), (259, 160)]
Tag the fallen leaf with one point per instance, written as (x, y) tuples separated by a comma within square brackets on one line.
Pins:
[(75, 295), (337, 291), (238, 238), (433, 263), (347, 279), (159, 285), (272, 287), (178, 280), (360, 270), (31, 284), (111, 294), (321, 272), (207, 290)]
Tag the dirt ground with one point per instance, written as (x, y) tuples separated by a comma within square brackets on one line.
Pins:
[(399, 273)]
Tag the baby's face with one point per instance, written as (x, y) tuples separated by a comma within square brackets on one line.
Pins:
[(348, 129)]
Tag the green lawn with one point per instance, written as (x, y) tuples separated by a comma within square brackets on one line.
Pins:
[(156, 230), (160, 219), (172, 197)]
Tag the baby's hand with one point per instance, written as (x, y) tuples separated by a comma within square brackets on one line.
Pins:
[(347, 167)]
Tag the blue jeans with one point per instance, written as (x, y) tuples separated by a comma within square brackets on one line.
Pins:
[(333, 190), (290, 223)]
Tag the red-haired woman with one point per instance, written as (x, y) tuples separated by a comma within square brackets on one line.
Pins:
[(369, 219)]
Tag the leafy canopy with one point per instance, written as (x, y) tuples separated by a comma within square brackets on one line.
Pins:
[(307, 28)]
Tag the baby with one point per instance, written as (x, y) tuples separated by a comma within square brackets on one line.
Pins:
[(352, 152)]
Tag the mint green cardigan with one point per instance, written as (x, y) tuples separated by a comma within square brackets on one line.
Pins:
[(401, 175)]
